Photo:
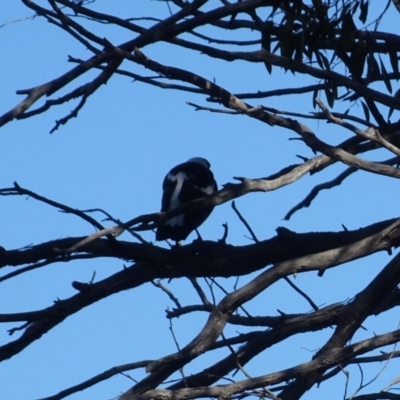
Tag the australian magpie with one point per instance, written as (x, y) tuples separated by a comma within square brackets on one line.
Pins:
[(185, 182)]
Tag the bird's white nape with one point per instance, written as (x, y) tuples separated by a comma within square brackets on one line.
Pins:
[(200, 160), (179, 178)]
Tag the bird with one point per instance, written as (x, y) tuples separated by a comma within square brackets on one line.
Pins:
[(185, 182)]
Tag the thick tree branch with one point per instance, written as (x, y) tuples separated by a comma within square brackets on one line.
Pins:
[(331, 358)]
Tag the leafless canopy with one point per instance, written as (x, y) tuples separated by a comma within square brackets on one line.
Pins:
[(326, 42)]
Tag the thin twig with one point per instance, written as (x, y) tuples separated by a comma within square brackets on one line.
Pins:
[(168, 292), (245, 223), (119, 369), (20, 191), (302, 293)]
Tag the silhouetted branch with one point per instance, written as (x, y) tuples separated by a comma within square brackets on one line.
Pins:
[(17, 190), (318, 188), (331, 358), (98, 378)]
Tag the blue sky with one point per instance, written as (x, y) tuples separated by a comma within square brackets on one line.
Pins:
[(114, 156)]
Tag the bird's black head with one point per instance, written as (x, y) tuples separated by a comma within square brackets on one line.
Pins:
[(200, 160)]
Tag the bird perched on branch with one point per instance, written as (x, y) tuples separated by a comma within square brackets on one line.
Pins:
[(188, 181)]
